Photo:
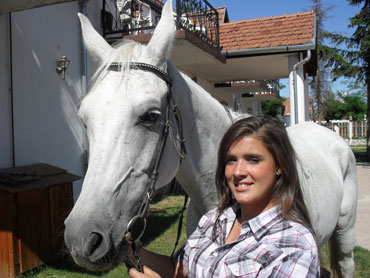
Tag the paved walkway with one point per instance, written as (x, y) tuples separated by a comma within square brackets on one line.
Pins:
[(362, 227)]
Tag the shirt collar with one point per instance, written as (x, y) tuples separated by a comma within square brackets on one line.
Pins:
[(259, 225), (230, 213)]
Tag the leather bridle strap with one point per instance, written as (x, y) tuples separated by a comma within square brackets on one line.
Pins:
[(140, 216), (115, 66)]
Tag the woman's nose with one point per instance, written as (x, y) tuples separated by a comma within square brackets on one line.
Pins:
[(240, 169)]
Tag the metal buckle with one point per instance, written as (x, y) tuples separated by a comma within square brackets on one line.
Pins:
[(133, 228)]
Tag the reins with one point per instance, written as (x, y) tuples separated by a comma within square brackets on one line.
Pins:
[(181, 151)]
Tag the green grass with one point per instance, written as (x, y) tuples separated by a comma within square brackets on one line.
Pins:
[(160, 237), (360, 153), (362, 261)]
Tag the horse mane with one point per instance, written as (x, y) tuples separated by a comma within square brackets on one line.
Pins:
[(122, 52)]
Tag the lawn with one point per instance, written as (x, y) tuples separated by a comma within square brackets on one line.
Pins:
[(160, 237), (360, 153)]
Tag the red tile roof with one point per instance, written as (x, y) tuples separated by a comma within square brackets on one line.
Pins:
[(268, 32)]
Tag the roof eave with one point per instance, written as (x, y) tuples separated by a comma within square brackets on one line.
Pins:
[(269, 50)]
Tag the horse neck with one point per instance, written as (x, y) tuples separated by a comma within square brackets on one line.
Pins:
[(205, 121)]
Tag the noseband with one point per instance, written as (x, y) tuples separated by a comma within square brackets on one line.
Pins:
[(167, 130)]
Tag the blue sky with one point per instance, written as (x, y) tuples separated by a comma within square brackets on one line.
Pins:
[(248, 9)]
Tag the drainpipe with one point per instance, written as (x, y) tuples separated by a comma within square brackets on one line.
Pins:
[(295, 93)]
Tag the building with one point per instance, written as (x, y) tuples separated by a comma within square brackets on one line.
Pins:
[(229, 59)]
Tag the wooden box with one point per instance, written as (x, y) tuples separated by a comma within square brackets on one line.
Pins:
[(34, 201)]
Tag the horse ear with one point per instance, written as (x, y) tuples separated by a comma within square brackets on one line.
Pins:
[(159, 47), (95, 44)]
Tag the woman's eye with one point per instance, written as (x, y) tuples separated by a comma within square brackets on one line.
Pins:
[(254, 160), (150, 117), (230, 160)]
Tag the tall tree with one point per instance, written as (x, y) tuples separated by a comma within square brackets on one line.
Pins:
[(320, 84), (353, 61)]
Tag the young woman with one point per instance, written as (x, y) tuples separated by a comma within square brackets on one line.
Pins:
[(261, 226)]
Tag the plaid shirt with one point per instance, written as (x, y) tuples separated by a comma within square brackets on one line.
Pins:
[(268, 246)]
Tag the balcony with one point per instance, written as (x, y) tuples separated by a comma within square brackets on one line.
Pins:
[(122, 18)]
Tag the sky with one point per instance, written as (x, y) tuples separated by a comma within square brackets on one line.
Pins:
[(249, 9)]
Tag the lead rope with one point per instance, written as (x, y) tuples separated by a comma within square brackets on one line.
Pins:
[(179, 227)]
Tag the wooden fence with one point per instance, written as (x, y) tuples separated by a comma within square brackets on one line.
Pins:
[(348, 129)]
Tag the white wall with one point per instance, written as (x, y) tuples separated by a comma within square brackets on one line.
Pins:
[(47, 128), (5, 111)]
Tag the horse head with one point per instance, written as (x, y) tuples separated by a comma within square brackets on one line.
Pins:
[(125, 116)]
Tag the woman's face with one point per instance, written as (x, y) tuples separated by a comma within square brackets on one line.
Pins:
[(250, 172)]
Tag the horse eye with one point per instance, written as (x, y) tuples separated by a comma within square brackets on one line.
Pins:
[(150, 117)]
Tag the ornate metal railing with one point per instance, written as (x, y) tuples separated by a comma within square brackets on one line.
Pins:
[(132, 17)]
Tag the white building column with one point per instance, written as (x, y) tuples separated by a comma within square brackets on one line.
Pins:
[(293, 59), (298, 107), (306, 99), (301, 93)]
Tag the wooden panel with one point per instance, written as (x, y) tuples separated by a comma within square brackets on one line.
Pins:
[(61, 204), (33, 228), (8, 263), (34, 177), (34, 202)]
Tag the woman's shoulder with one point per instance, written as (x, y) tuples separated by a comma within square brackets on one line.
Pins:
[(292, 235), (210, 217), (304, 235), (213, 213), (271, 227)]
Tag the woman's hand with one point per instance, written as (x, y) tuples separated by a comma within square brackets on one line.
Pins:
[(148, 273)]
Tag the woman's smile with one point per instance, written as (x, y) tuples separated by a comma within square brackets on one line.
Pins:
[(241, 186)]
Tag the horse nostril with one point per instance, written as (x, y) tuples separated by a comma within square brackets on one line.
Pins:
[(94, 247)]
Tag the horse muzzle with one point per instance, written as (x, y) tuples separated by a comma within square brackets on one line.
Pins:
[(92, 248)]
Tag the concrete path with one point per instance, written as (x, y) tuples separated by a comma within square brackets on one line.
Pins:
[(362, 226)]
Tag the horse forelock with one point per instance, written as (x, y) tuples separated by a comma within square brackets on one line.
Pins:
[(123, 52)]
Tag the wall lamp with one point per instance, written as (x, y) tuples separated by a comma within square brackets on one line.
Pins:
[(62, 66)]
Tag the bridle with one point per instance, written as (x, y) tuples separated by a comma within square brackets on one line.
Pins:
[(167, 130)]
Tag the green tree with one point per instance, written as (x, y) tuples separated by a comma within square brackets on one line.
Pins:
[(343, 106), (353, 105), (352, 60), (273, 107)]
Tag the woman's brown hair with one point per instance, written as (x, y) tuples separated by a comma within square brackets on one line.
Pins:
[(287, 191)]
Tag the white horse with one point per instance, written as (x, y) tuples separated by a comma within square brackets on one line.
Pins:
[(125, 114)]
